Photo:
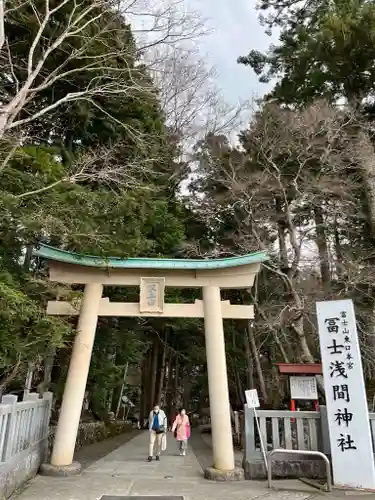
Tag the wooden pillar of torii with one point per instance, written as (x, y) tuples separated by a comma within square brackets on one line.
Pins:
[(152, 276)]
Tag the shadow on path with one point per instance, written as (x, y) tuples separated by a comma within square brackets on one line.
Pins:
[(202, 450), (201, 444), (90, 453)]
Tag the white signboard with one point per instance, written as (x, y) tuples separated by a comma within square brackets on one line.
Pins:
[(348, 419), (252, 399), (303, 388)]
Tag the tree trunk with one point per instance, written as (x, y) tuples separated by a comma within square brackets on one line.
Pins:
[(153, 368), (366, 156), (237, 381), (297, 324), (142, 398), (280, 346), (321, 241), (28, 257), (240, 391), (49, 361), (145, 406), (369, 365), (249, 363), (159, 389), (168, 386), (274, 331), (232, 381), (111, 357), (258, 366), (338, 250), (306, 355), (186, 396), (283, 251), (176, 399), (157, 375)]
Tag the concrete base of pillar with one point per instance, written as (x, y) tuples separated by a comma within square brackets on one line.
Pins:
[(236, 474), (73, 469)]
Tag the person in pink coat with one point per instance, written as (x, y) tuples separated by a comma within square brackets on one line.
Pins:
[(181, 430)]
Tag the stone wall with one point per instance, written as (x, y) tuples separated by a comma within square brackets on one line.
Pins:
[(20, 468), (291, 467), (92, 432)]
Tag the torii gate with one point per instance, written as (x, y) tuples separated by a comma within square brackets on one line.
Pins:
[(152, 276)]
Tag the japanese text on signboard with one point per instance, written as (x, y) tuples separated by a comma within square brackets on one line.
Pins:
[(340, 366)]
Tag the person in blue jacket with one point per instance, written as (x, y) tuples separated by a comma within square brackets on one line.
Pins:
[(157, 425)]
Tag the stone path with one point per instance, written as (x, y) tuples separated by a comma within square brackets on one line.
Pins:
[(125, 471), (90, 453)]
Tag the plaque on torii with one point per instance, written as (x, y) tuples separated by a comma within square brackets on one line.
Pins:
[(151, 295)]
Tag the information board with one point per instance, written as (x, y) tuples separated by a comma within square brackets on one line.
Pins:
[(303, 388)]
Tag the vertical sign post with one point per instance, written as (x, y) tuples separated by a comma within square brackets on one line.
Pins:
[(348, 418), (252, 401)]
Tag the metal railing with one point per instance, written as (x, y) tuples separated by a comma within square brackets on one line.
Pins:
[(298, 452)]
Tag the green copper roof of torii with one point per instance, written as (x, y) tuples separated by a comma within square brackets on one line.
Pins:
[(52, 253)]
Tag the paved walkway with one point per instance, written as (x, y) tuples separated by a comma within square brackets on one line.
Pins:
[(125, 471)]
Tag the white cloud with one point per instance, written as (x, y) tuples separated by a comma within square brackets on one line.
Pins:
[(236, 30)]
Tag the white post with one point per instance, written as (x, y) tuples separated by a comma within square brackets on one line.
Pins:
[(47, 396), (221, 428), (261, 441), (33, 416), (28, 381), (75, 386), (10, 400)]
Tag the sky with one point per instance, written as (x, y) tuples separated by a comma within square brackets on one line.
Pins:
[(235, 31)]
